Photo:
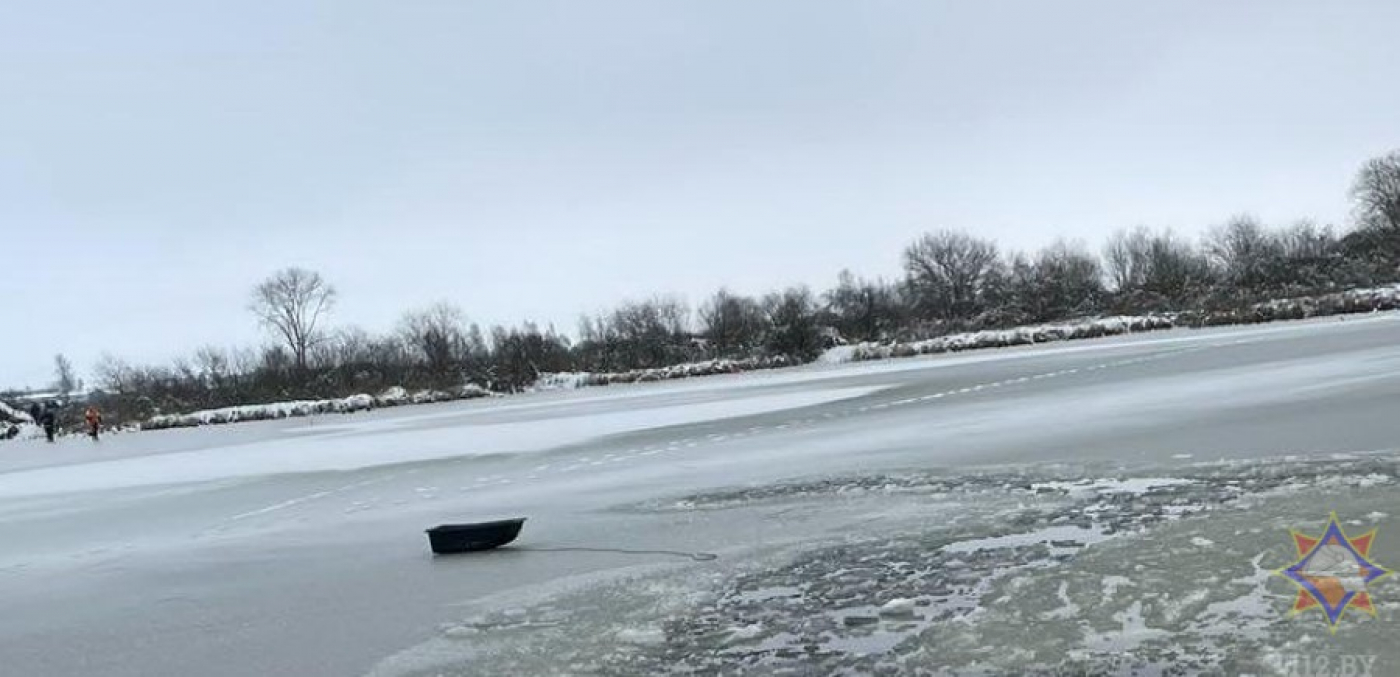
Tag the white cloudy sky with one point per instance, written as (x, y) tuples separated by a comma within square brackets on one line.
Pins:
[(541, 159)]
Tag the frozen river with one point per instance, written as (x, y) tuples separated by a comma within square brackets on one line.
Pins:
[(296, 548)]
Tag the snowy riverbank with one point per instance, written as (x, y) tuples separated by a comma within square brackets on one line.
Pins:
[(1348, 302)]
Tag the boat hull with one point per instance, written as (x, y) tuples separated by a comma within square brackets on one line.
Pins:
[(447, 539)]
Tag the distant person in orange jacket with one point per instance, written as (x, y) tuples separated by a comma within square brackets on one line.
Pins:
[(94, 421)]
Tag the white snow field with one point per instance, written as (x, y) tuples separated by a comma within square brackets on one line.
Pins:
[(1098, 507)]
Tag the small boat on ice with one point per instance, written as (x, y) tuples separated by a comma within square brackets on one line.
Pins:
[(454, 538)]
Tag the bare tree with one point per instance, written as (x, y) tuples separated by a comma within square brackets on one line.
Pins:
[(1377, 193), (863, 309), (65, 381), (1306, 240), (733, 324), (1156, 270), (1127, 255), (1309, 258), (1177, 271), (292, 303), (519, 356), (214, 369), (793, 327), (949, 273), (1063, 280), (638, 334), (437, 335), (114, 374), (730, 324), (1242, 250)]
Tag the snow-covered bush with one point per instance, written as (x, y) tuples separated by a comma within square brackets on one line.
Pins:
[(391, 397), (567, 380), (1340, 303), (1017, 336)]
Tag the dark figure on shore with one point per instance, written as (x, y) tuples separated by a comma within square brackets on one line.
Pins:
[(49, 419), (94, 421), (34, 412)]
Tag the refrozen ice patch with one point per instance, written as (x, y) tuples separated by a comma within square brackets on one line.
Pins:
[(1131, 580)]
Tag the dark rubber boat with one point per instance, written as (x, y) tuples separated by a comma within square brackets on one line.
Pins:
[(454, 538)]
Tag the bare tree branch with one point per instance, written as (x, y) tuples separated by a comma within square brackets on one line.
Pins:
[(292, 303)]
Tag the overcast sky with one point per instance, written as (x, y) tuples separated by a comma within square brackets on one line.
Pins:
[(538, 160)]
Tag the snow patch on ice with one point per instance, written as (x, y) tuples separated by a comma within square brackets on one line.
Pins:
[(1048, 535), (839, 355), (1067, 609), (898, 606), (1134, 485), (1247, 615), (746, 633), (645, 636), (1112, 583), (1133, 633)]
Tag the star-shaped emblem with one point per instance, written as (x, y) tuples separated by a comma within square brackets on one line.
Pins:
[(1332, 572)]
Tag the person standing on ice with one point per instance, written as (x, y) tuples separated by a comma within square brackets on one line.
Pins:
[(94, 421), (48, 419)]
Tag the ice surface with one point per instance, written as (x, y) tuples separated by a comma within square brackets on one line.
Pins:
[(817, 515), (341, 449)]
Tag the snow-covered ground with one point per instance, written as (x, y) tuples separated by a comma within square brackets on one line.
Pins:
[(23, 425), (1083, 507), (14, 414)]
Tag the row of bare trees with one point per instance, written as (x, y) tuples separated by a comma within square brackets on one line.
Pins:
[(951, 281)]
